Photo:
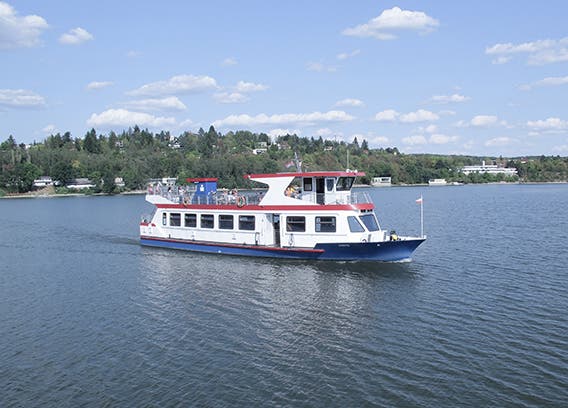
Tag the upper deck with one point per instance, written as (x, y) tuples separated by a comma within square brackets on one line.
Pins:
[(283, 189)]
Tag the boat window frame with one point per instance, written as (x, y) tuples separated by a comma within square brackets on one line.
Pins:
[(329, 184), (175, 219), (205, 225), (224, 221), (357, 223), (164, 218), (344, 183), (295, 223), (243, 223), (329, 225), (371, 226), (187, 219)]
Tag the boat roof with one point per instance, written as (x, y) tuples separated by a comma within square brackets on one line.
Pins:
[(354, 173)]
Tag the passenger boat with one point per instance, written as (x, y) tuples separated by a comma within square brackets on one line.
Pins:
[(303, 215)]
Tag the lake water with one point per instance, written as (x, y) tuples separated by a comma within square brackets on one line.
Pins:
[(479, 318)]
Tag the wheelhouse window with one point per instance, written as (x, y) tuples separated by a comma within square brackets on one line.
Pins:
[(344, 183), (370, 222), (225, 221), (308, 184), (175, 219), (329, 183), (207, 221), (354, 224), (190, 220), (246, 222), (295, 224), (325, 224)]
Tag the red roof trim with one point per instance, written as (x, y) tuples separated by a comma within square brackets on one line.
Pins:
[(200, 180), (308, 174), (261, 208)]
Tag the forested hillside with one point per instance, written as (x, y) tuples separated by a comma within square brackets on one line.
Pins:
[(137, 155)]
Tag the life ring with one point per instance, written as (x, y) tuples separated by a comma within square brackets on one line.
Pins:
[(241, 201)]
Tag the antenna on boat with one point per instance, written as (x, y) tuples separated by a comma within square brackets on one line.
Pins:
[(297, 162)]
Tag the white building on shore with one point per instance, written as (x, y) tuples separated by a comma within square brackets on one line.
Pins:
[(489, 168)]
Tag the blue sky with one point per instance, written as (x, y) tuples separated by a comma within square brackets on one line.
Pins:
[(449, 77)]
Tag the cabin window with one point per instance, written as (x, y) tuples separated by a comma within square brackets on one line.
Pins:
[(307, 184), (164, 219), (246, 222), (354, 224), (325, 224), (329, 182), (175, 219), (190, 220), (225, 221), (370, 222), (207, 221), (295, 224), (344, 183)]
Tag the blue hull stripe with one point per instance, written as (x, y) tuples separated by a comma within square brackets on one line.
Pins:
[(384, 251)]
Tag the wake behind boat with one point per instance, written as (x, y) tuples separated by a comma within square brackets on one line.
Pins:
[(304, 215)]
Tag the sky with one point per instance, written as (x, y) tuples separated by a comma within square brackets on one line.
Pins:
[(486, 78)]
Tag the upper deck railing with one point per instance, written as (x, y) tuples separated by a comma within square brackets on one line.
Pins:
[(187, 195)]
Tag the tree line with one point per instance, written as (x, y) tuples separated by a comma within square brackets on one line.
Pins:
[(137, 155)]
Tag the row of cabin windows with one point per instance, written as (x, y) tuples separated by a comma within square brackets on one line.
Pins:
[(246, 222), (293, 223)]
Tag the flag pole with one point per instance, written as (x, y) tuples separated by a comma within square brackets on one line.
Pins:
[(421, 216)]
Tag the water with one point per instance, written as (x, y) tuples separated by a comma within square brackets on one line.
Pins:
[(479, 318)]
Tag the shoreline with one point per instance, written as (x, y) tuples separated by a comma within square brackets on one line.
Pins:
[(51, 194)]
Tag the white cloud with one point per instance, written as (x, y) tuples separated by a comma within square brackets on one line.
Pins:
[(548, 124), (455, 98), (442, 139), (389, 115), (324, 132), (500, 141), (133, 54), (274, 133), (286, 118), (320, 67), (357, 103), (20, 99), (176, 85), (484, 120), (98, 85), (550, 81), (170, 103), (123, 117), (19, 32), (414, 140), (347, 55), (539, 52), (245, 87), (378, 140), (421, 115), (185, 124), (75, 36), (49, 129), (561, 148), (230, 97), (394, 19), (227, 62)]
